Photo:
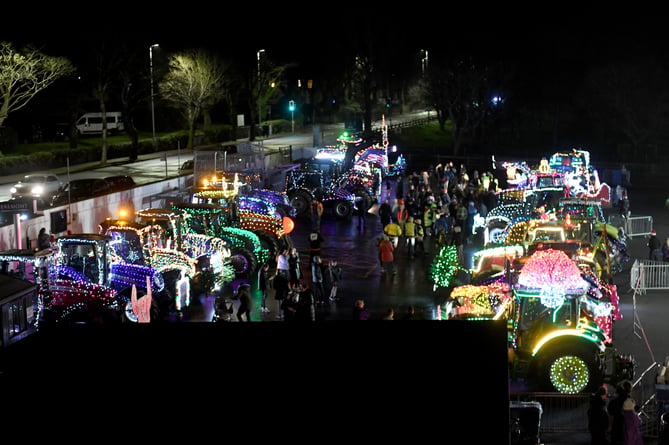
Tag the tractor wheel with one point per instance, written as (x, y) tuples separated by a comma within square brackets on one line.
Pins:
[(245, 262), (300, 202), (572, 371), (343, 209)]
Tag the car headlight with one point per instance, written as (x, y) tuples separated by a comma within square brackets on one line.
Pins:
[(37, 190), (13, 190)]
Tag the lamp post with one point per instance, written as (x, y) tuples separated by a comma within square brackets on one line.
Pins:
[(260, 51), (423, 61), (153, 113)]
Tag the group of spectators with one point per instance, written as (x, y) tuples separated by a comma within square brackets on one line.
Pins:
[(434, 208), (615, 422), (295, 298)]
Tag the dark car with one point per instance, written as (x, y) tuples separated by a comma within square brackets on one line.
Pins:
[(187, 167), (120, 182), (80, 189)]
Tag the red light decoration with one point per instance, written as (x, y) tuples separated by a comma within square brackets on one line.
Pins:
[(288, 225), (551, 270)]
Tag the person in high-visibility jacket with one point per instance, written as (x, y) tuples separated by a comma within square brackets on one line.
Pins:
[(410, 236), (394, 232), (429, 216)]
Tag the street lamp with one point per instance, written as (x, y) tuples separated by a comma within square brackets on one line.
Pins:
[(423, 61), (153, 113), (259, 107)]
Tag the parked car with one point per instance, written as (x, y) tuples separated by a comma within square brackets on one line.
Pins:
[(37, 185), (80, 189), (187, 167), (120, 182)]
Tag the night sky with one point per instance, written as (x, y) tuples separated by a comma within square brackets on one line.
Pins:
[(300, 33), (548, 43)]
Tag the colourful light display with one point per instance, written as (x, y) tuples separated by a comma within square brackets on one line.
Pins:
[(569, 374), (444, 266), (549, 270)]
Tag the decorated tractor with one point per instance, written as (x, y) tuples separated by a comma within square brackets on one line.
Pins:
[(559, 316), (168, 230), (305, 185), (116, 259), (220, 203), (370, 165), (600, 245), (65, 298)]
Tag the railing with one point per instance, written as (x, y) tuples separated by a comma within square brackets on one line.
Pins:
[(406, 124), (561, 413), (649, 274), (568, 413), (633, 225)]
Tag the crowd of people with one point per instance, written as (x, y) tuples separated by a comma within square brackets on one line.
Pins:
[(418, 213), (616, 421)]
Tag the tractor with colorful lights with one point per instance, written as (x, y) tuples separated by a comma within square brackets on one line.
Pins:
[(221, 204), (62, 298), (80, 280), (370, 163), (559, 316), (238, 250)]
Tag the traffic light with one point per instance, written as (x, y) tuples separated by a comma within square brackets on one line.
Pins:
[(291, 105)]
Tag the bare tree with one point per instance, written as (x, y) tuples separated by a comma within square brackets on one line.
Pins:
[(24, 73), (195, 81), (107, 65)]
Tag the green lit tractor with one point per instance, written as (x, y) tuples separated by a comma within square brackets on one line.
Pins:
[(559, 318)]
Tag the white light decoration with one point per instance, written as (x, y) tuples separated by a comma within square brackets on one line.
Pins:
[(569, 374)]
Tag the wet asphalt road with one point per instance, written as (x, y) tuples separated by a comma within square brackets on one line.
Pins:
[(356, 252)]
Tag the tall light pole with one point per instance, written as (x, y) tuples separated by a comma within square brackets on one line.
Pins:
[(153, 113), (423, 61), (260, 51)]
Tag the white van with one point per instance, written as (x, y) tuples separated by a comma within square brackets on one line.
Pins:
[(91, 123)]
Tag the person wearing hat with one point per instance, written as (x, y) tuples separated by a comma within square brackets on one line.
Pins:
[(632, 423), (654, 247)]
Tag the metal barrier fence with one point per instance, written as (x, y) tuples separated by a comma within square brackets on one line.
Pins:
[(649, 274), (568, 413), (561, 413), (633, 225)]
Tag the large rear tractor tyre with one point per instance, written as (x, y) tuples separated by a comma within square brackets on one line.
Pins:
[(244, 261)]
